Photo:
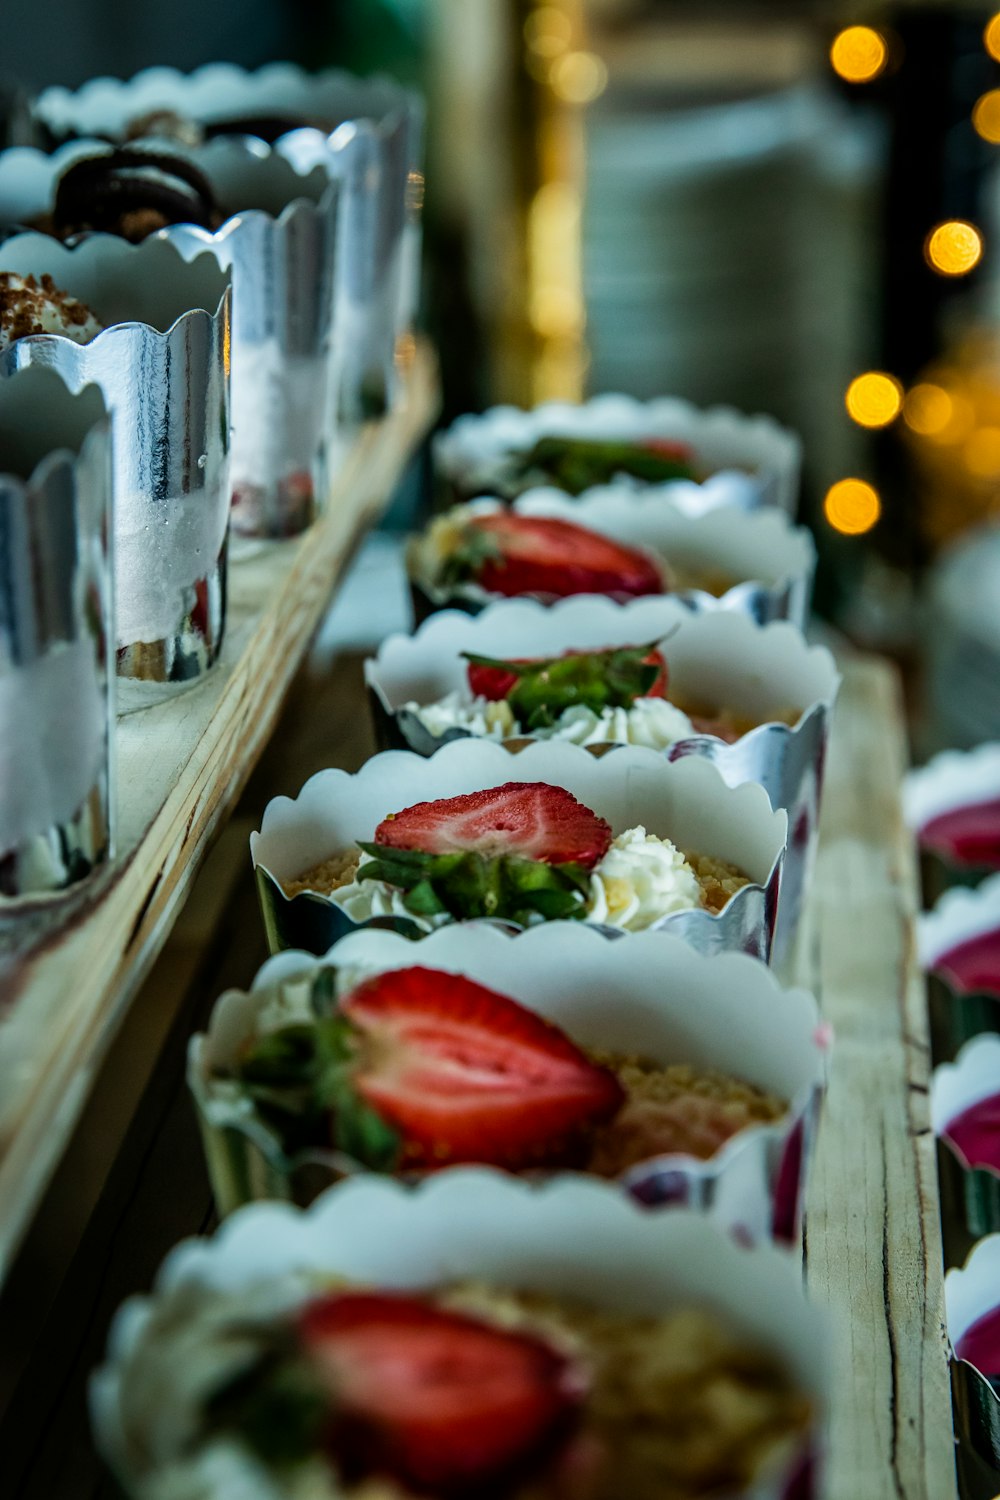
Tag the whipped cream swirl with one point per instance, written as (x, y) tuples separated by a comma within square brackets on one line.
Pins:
[(652, 722)]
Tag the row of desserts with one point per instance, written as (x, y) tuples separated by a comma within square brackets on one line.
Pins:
[(236, 306), (489, 1107), (953, 805)]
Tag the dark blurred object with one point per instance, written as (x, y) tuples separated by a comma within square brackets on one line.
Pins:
[(16, 128), (937, 169)]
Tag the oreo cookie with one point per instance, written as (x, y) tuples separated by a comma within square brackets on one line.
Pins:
[(132, 193)]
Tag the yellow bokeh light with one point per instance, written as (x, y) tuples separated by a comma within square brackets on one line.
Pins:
[(954, 248), (852, 506), (578, 77), (859, 54), (986, 116), (928, 409), (874, 399), (548, 30), (991, 37), (982, 453)]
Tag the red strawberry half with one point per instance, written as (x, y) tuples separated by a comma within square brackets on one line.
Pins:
[(669, 448), (529, 819), (467, 1075), (445, 1402), (494, 684), (546, 555)]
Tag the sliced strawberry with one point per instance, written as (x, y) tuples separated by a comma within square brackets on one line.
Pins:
[(445, 1402), (493, 684), (669, 448), (547, 555), (529, 819), (467, 1075)]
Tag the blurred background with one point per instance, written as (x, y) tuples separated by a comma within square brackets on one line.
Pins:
[(792, 206)]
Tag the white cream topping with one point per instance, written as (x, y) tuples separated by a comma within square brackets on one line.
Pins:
[(652, 722), (431, 549), (29, 306), (478, 716), (640, 879)]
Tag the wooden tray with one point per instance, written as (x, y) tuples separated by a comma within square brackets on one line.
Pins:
[(65, 985)]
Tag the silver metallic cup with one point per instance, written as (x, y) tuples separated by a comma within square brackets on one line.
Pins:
[(56, 635), (280, 246), (162, 363)]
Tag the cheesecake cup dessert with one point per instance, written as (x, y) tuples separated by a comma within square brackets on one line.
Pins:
[(475, 1336), (159, 357), (626, 842), (698, 460), (367, 132), (755, 700), (689, 1081), (965, 1117), (958, 941), (953, 806), (973, 1315), (275, 231), (616, 542), (57, 806)]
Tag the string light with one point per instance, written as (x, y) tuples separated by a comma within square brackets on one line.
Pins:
[(859, 54), (578, 77), (954, 248), (986, 116), (852, 506), (874, 399), (928, 409), (991, 37), (982, 453)]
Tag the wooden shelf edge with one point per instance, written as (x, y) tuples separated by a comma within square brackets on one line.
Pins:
[(181, 768)]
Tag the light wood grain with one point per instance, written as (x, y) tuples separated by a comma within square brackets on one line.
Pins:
[(181, 768), (873, 1241)]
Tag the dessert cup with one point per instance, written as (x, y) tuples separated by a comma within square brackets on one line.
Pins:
[(653, 998), (973, 1312), (280, 248), (965, 1103), (687, 801), (57, 812), (278, 243), (570, 1238), (161, 362), (959, 947), (751, 461), (953, 806), (722, 658), (371, 132), (761, 565)]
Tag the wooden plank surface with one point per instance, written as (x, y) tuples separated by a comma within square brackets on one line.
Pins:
[(182, 765), (873, 1238)]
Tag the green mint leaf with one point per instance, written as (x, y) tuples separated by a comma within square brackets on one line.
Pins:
[(361, 1133), (277, 1407), (577, 464), (467, 884), (594, 679)]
